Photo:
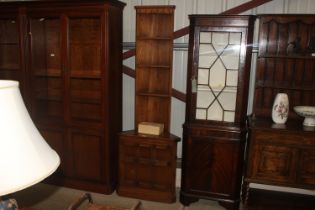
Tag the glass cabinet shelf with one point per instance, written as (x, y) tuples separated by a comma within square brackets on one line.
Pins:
[(217, 89)]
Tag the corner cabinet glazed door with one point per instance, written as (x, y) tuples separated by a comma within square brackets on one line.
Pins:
[(68, 99), (217, 73), (217, 88)]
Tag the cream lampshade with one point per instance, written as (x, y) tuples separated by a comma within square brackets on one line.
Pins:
[(26, 158)]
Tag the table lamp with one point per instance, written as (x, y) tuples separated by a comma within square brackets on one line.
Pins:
[(26, 158)]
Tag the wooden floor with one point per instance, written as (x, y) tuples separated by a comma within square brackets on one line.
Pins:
[(271, 200)]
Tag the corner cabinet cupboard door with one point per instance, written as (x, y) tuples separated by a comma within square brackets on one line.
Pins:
[(210, 167)]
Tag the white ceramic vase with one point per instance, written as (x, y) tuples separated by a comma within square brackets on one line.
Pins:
[(280, 108)]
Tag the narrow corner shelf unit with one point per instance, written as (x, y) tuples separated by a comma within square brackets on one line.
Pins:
[(147, 163), (283, 155)]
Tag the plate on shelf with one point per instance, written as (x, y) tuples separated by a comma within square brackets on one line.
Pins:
[(308, 112)]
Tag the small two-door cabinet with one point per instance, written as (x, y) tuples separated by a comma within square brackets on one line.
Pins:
[(67, 54), (215, 126), (147, 166)]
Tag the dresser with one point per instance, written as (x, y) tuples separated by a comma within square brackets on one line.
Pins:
[(282, 154)]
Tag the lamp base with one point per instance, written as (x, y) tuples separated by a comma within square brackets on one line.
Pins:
[(8, 204)]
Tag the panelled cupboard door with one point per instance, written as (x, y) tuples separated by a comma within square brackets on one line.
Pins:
[(211, 160), (86, 154)]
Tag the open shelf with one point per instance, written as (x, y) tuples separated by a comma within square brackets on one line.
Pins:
[(153, 94), (9, 67), (155, 24), (48, 72), (283, 68), (291, 56), (95, 74), (285, 85), (160, 67), (151, 52), (156, 38)]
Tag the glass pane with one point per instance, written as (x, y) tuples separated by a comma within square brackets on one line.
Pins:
[(231, 78), (9, 45), (215, 112), (203, 76), (219, 55), (205, 37), (229, 116), (220, 40), (46, 69), (207, 55), (204, 98), (217, 76), (231, 56), (201, 114), (45, 36), (228, 99)]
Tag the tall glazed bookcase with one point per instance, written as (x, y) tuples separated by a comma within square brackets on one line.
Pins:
[(147, 163), (215, 126), (67, 56)]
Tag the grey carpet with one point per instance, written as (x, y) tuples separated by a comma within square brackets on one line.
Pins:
[(49, 197)]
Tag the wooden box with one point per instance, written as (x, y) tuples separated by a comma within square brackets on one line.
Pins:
[(150, 128)]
